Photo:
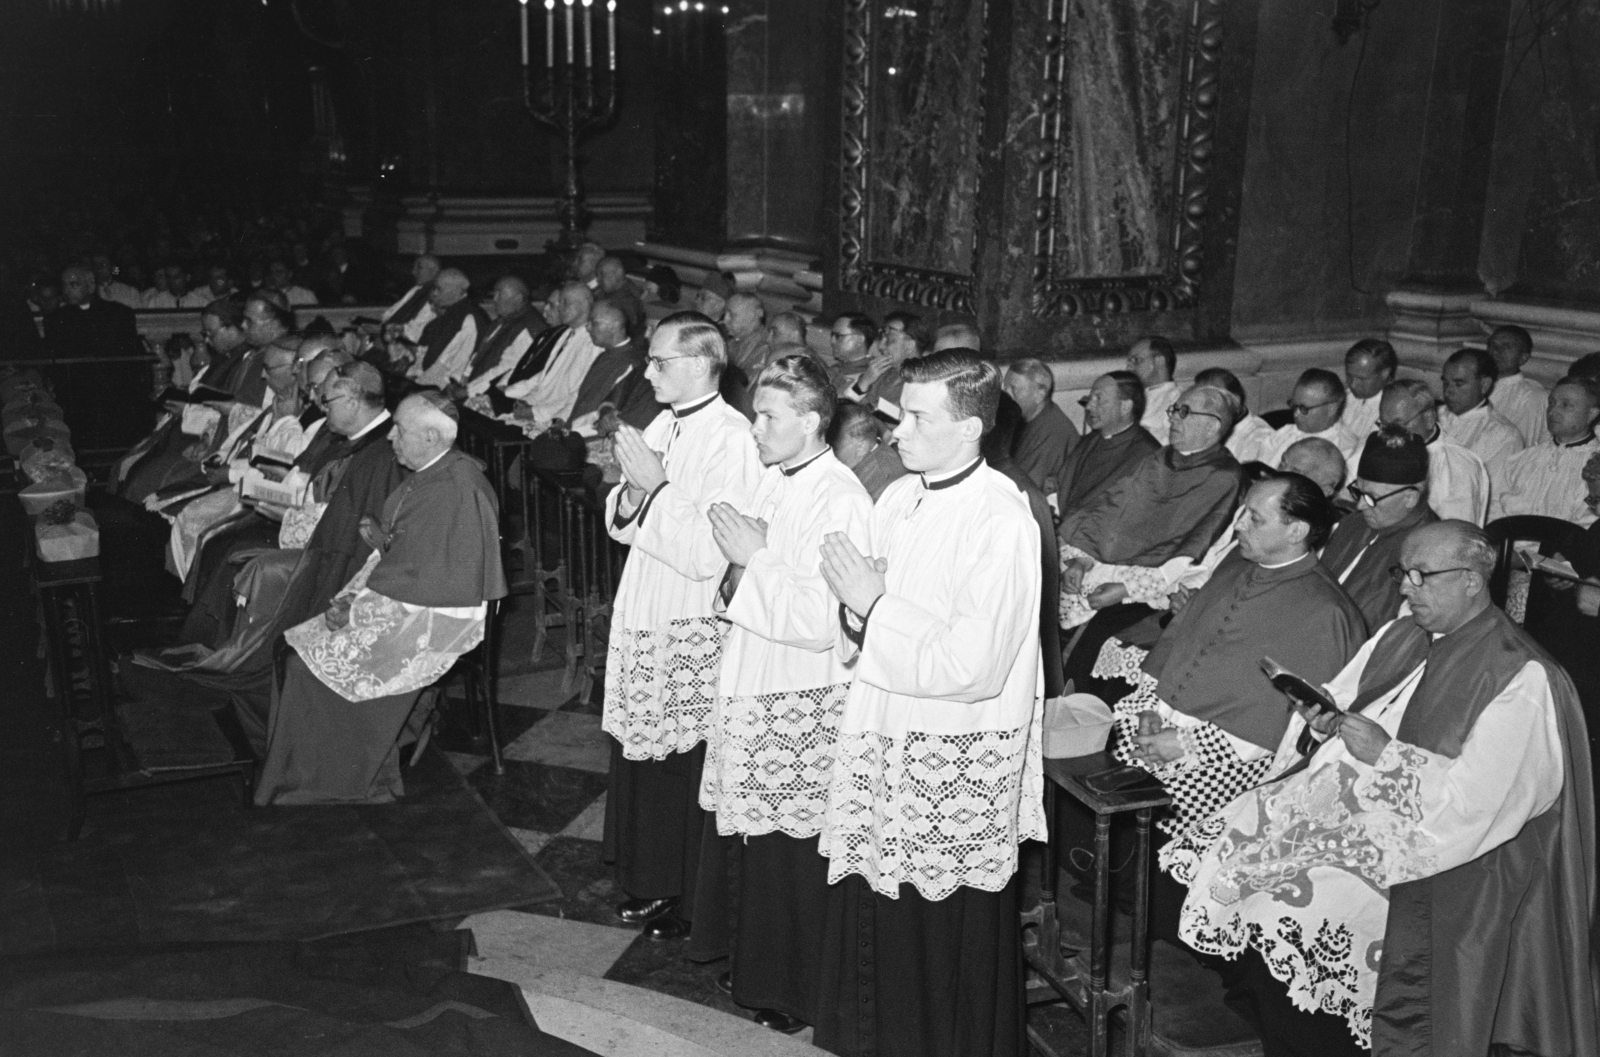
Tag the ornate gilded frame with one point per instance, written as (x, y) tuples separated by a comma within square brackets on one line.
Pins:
[(1177, 285), (858, 273)]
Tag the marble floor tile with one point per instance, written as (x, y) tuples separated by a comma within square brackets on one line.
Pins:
[(465, 762), (591, 824), (537, 796), (543, 942), (564, 739), (534, 690), (588, 890), (660, 965), (456, 727), (532, 841)]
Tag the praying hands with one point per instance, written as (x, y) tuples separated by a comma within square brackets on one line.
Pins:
[(642, 470), (855, 579), (739, 537)]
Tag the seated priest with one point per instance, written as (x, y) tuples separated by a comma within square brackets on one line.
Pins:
[(1369, 365), (544, 384), (418, 602), (1047, 435), (516, 322), (444, 352), (1547, 478), (407, 316), (1391, 493), (1158, 519), (1318, 407), (1458, 482), (1113, 442), (1251, 434), (1155, 361), (1420, 879), (1469, 417), (1317, 459), (903, 337), (858, 441)]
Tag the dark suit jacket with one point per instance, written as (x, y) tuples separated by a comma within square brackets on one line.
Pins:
[(103, 328)]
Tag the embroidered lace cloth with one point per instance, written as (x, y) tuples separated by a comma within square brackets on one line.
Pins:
[(661, 686), (1118, 660), (387, 647), (937, 811), (769, 761), (1330, 834), (299, 522)]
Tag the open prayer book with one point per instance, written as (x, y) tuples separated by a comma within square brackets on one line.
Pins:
[(1303, 693), (272, 478)]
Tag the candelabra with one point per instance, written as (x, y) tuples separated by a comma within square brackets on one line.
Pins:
[(572, 97)]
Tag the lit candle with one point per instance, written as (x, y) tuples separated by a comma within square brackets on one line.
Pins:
[(611, 31), (588, 45), (549, 34), (569, 31), (524, 10)]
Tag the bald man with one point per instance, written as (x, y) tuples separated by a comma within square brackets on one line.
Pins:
[(407, 316), (1318, 459), (86, 324), (612, 286), (1458, 481), (419, 602), (516, 323), (545, 382), (1047, 434), (444, 353)]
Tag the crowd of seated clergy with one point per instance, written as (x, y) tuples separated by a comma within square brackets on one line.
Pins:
[(1182, 541)]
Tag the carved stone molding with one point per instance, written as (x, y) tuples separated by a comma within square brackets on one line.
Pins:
[(1175, 285), (860, 269)]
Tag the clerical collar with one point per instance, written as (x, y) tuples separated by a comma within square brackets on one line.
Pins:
[(1285, 565), (431, 461), (688, 409), (1118, 433), (1580, 442), (790, 471), (382, 417), (951, 480), (1437, 433)]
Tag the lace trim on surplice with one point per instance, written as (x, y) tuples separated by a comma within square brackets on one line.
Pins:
[(769, 760), (661, 686)]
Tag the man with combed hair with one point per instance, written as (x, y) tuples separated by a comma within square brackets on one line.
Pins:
[(1250, 434), (780, 693), (407, 316), (1141, 534), (1422, 881), (1547, 478), (1317, 459), (1469, 419), (1113, 442), (666, 637), (937, 775), (444, 352), (419, 602), (1458, 482), (1369, 365), (1391, 494), (1317, 404), (1516, 396), (545, 383), (504, 341), (957, 336), (268, 322), (858, 442), (1047, 434), (1155, 361)]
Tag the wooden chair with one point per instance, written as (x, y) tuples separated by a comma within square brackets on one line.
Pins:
[(479, 672), (1552, 536)]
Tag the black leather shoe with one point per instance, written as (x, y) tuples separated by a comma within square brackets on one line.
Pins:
[(638, 911), (666, 927), (725, 982), (771, 1018)]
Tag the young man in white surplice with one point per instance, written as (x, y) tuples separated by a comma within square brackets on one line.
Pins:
[(769, 757), (937, 773)]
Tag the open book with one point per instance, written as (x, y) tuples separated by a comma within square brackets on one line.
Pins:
[(1303, 693)]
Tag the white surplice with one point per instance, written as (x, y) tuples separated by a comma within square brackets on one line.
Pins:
[(453, 361), (1157, 398), (938, 774), (1458, 481), (1348, 443), (1360, 416), (666, 640), (1301, 869), (1250, 437), (552, 392), (1546, 479), (783, 682), (1523, 402), (1483, 431)]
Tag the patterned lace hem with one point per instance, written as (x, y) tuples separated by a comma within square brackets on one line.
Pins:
[(661, 686), (769, 760)]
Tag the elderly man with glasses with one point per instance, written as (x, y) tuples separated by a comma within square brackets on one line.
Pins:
[(1458, 481), (1424, 870), (1318, 404)]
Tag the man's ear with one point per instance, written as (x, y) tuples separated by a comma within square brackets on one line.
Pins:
[(972, 429)]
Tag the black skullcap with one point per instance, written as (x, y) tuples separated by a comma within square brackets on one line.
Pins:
[(1394, 456)]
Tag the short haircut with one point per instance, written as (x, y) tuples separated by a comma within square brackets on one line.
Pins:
[(1472, 548), (361, 380), (1380, 351), (695, 335), (972, 384), (790, 324), (1302, 500), (574, 288), (742, 297), (1324, 378), (965, 333), (1221, 403), (1590, 386), (806, 384), (1131, 389), (854, 421), (861, 324), (1413, 390), (1480, 359), (1035, 372), (1163, 348), (1227, 381), (337, 356), (225, 310), (512, 282), (915, 329), (610, 309), (1517, 337), (439, 412), (281, 314)]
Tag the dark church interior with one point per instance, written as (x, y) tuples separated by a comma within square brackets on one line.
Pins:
[(891, 528)]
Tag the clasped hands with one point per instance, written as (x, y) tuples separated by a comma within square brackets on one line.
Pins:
[(1156, 744), (642, 470), (1072, 574), (738, 537), (855, 579)]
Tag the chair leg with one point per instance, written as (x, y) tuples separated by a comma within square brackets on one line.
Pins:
[(488, 678)]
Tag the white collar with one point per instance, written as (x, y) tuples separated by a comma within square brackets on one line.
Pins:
[(382, 417), (431, 461)]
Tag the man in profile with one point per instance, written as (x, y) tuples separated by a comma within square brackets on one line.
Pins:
[(1113, 442), (444, 352), (1468, 418), (1154, 361), (407, 316), (1516, 396), (1047, 434), (515, 323), (1458, 482), (858, 442), (1369, 365)]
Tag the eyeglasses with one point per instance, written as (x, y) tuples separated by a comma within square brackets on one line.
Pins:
[(1183, 411), (659, 362), (1415, 577), (1364, 497), (1306, 409)]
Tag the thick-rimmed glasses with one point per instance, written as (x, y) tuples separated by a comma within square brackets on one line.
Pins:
[(660, 362), (1366, 498), (1306, 409), (1415, 577), (1179, 412)]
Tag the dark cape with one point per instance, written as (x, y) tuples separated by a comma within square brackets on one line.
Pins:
[(493, 343), (1170, 505), (1050, 558), (1499, 950), (146, 467), (104, 328), (408, 309), (440, 547), (1208, 660), (443, 328), (616, 377), (1043, 445), (1096, 462), (537, 358), (1369, 583)]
